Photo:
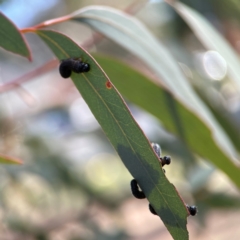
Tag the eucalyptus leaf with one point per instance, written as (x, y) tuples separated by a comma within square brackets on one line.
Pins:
[(4, 159), (210, 38), (124, 133), (155, 99), (11, 38), (134, 36)]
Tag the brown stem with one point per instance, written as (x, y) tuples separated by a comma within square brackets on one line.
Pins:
[(46, 23), (26, 77)]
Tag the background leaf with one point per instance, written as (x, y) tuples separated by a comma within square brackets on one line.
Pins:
[(210, 38), (124, 134), (224, 119), (11, 38), (9, 160), (131, 34), (140, 90)]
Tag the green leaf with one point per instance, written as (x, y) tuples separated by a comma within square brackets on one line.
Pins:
[(220, 200), (9, 160), (223, 118), (131, 34), (140, 90), (11, 38), (210, 38), (124, 133)]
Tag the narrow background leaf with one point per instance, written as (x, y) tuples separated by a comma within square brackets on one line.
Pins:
[(124, 133), (11, 38), (140, 90), (9, 160), (131, 34), (210, 38), (224, 119)]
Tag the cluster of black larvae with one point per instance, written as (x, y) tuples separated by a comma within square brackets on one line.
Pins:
[(166, 160), (76, 65)]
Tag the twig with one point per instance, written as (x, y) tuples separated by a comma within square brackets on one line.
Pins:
[(133, 8)]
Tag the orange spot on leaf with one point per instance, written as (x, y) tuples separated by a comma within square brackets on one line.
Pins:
[(108, 85)]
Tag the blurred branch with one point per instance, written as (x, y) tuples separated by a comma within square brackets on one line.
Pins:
[(26, 77), (96, 38)]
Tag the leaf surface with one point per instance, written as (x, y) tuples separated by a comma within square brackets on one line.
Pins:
[(11, 38), (124, 133)]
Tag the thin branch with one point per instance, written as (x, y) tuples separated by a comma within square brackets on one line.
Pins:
[(26, 77), (131, 9)]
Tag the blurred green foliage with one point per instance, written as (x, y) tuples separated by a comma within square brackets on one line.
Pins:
[(65, 189)]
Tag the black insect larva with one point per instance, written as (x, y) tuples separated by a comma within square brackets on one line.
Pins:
[(135, 190), (85, 67), (76, 65), (192, 210), (134, 185), (166, 160), (65, 68), (157, 149), (140, 195), (151, 209)]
